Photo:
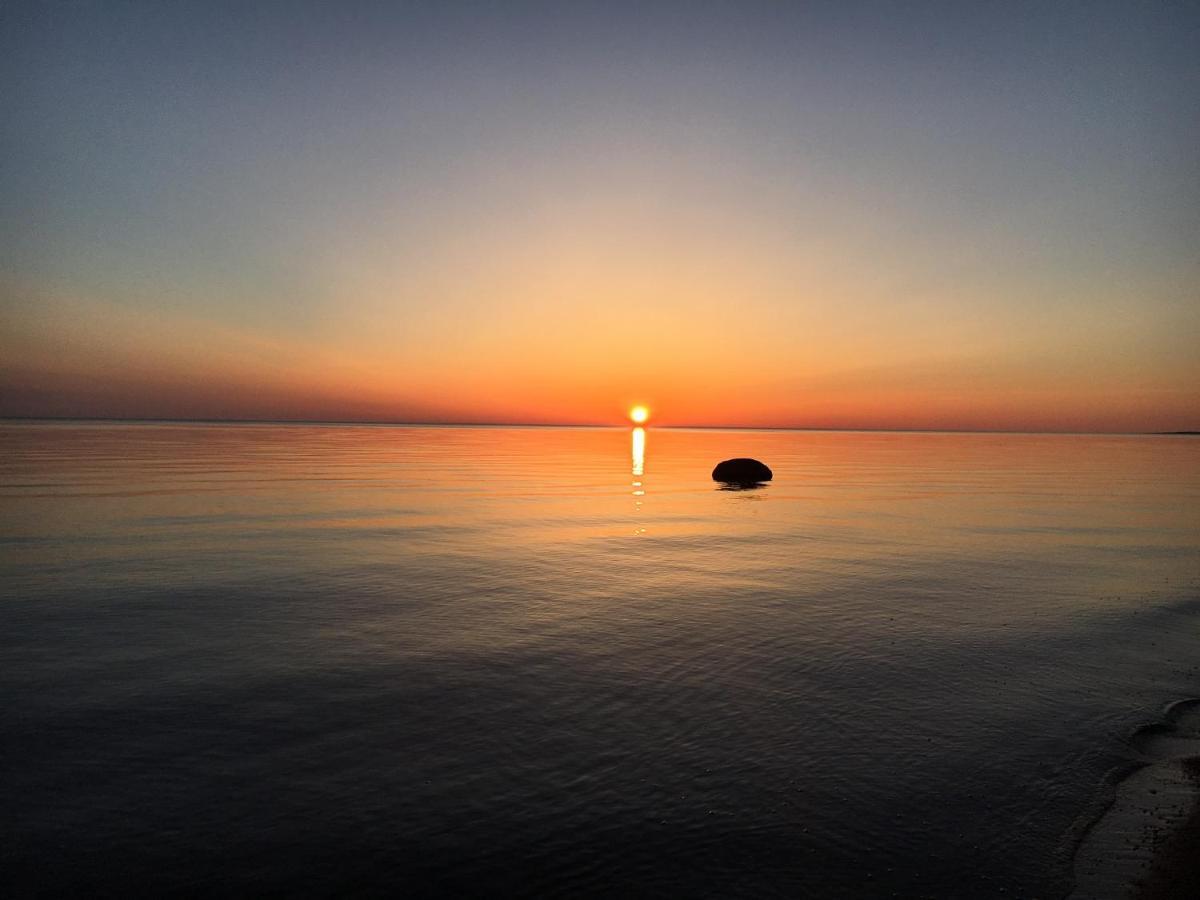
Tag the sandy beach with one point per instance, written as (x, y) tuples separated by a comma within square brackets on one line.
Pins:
[(1147, 843), (1176, 868)]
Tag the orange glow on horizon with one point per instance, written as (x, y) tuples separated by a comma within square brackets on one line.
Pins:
[(69, 356)]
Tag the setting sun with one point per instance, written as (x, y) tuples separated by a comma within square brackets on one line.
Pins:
[(639, 414)]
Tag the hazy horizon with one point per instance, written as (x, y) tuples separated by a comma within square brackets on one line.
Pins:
[(398, 423)]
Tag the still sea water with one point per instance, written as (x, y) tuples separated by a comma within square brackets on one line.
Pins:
[(314, 660)]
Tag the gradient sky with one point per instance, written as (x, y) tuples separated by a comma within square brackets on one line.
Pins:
[(930, 215)]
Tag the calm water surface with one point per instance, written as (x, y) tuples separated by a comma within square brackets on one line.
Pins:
[(477, 661)]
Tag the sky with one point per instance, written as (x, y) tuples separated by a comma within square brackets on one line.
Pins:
[(845, 215)]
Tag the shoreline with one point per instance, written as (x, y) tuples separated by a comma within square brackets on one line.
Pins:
[(1175, 871), (1146, 843)]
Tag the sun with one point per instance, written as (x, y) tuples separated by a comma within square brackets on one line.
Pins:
[(639, 414)]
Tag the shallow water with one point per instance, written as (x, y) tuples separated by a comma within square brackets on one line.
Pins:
[(319, 659)]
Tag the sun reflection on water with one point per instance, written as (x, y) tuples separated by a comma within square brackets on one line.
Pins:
[(637, 449)]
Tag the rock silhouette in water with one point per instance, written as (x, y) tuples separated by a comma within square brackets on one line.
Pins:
[(741, 471)]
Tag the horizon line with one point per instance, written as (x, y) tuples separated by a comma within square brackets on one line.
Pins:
[(392, 423)]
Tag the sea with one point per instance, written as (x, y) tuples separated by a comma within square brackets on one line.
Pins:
[(367, 660)]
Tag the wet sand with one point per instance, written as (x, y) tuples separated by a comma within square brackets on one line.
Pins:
[(1176, 868), (1147, 843)]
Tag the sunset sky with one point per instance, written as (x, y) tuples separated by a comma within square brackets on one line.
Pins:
[(922, 215)]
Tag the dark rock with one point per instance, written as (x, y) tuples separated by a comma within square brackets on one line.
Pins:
[(741, 471)]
